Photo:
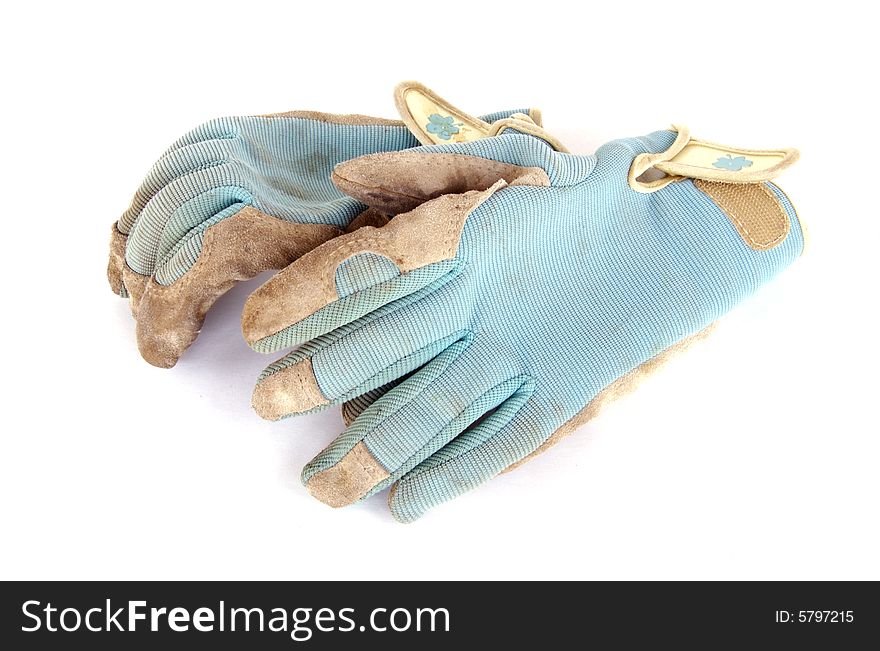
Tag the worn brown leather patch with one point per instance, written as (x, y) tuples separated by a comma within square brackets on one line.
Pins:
[(753, 209), (169, 317), (428, 234), (291, 390), (355, 475)]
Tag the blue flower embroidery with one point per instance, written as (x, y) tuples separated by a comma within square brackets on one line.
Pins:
[(733, 164), (444, 127)]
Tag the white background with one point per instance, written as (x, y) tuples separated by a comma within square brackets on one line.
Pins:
[(753, 456)]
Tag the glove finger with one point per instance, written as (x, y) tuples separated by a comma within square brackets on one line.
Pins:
[(409, 424), (354, 359), (369, 217), (358, 273), (236, 248), (148, 239), (396, 182), (135, 286), (512, 432), (171, 166)]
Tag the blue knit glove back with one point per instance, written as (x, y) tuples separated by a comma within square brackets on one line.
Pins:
[(516, 290)]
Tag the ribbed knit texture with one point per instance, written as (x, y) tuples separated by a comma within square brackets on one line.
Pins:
[(362, 271), (279, 165), (563, 290)]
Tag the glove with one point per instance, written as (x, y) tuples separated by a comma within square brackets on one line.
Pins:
[(523, 289), (240, 195)]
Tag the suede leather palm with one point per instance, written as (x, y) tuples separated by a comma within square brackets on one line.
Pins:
[(232, 198), (516, 289)]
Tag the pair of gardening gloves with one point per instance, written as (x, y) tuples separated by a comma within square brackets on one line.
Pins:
[(466, 289)]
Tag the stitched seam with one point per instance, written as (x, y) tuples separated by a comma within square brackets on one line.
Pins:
[(526, 380), (209, 251), (383, 189), (780, 223), (743, 229), (358, 244), (307, 387), (467, 336), (449, 275)]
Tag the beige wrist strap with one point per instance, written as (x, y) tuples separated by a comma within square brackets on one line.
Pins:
[(688, 158), (434, 121)]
